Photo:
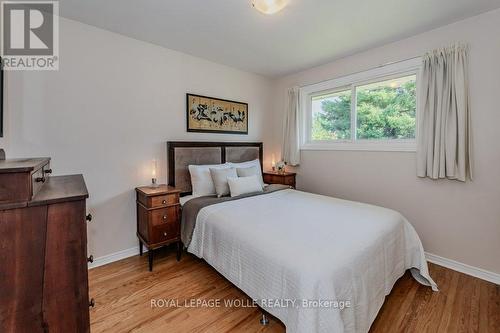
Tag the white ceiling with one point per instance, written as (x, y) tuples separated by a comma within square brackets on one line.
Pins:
[(305, 34)]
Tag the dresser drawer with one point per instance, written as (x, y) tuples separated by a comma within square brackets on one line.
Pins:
[(165, 232), (164, 215), (39, 177), (37, 181), (17, 179), (47, 171)]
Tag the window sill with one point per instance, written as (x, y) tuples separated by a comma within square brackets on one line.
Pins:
[(362, 146)]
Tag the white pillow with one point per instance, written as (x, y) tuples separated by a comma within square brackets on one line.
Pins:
[(201, 180), (219, 177), (247, 172), (244, 185), (249, 164)]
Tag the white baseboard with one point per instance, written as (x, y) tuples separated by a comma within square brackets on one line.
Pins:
[(115, 257), (448, 263), (464, 268)]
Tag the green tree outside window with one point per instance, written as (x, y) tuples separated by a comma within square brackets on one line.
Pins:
[(384, 110)]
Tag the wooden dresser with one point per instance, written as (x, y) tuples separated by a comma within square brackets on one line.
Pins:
[(274, 177), (158, 218), (43, 249)]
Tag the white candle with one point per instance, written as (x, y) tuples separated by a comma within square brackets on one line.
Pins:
[(153, 169)]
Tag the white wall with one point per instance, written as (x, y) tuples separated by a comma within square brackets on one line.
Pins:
[(454, 220), (109, 110)]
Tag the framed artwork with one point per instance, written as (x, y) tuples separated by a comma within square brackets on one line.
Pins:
[(215, 115)]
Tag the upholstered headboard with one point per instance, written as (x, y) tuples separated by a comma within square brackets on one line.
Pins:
[(181, 154)]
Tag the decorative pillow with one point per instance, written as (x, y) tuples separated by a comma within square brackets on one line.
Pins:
[(247, 172), (247, 165), (201, 180), (244, 185), (219, 177)]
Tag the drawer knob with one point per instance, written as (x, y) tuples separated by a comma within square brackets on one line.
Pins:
[(48, 171), (88, 217), (165, 234), (91, 303), (40, 179), (90, 259), (164, 217), (164, 202)]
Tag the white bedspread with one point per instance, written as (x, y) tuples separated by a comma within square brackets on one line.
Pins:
[(298, 247)]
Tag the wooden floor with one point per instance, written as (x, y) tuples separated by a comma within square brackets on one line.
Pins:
[(123, 292)]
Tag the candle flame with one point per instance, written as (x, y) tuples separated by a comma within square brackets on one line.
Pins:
[(153, 168)]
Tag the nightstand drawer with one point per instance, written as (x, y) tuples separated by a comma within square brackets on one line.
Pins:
[(290, 181), (165, 215), (269, 179), (163, 200), (275, 179), (286, 178), (162, 233)]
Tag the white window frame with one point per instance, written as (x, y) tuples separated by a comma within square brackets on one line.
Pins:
[(387, 72)]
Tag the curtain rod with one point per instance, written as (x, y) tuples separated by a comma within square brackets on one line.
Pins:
[(381, 65)]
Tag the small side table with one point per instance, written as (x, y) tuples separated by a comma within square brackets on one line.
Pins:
[(158, 218), (274, 177)]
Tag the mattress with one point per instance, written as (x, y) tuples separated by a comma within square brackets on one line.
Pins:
[(317, 263)]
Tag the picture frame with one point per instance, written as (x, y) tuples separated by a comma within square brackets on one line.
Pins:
[(215, 115)]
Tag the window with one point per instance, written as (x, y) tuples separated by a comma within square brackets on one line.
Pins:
[(373, 110), (331, 116), (387, 109)]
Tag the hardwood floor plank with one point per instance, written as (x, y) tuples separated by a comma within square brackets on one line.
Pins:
[(434, 307), (474, 307), (493, 307), (124, 292), (450, 295)]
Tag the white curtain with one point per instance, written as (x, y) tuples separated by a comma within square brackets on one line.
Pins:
[(444, 140), (291, 140)]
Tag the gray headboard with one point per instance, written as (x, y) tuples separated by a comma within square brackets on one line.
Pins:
[(181, 154)]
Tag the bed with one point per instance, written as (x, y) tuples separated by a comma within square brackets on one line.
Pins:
[(317, 263)]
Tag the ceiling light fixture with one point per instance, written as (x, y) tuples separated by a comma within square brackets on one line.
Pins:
[(269, 6)]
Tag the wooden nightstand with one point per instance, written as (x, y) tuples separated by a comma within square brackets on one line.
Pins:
[(158, 218), (285, 178)]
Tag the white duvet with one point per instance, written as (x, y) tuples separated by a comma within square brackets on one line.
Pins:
[(288, 249)]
